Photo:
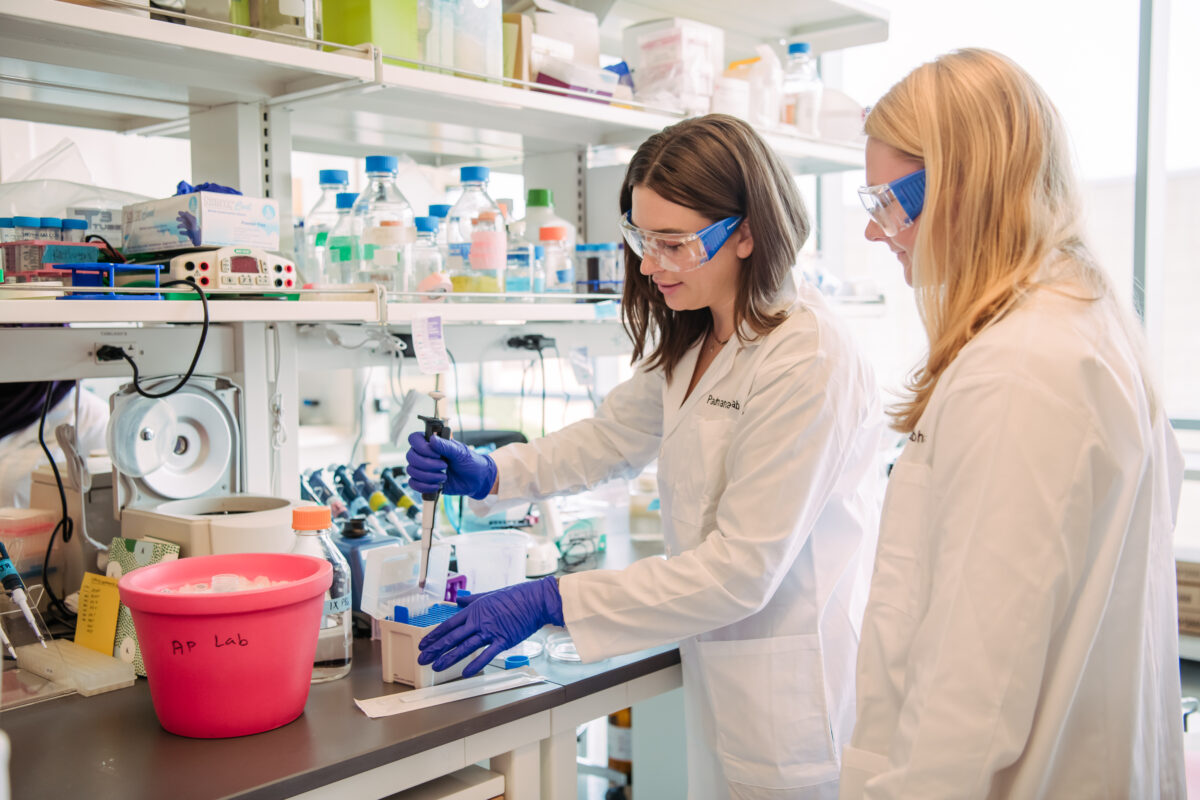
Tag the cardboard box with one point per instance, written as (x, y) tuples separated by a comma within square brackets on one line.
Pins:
[(579, 28), (200, 219), (518, 47)]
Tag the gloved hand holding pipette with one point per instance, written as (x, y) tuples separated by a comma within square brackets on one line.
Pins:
[(493, 620), (448, 466)]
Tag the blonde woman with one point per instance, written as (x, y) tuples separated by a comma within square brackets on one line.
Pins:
[(1020, 639)]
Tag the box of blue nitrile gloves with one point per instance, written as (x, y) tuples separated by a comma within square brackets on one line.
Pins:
[(199, 219)]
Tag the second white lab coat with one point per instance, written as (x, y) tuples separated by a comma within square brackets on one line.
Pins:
[(769, 485), (1021, 640)]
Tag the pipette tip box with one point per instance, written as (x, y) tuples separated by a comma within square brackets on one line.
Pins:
[(399, 642)]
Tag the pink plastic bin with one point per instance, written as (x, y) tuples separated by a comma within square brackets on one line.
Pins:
[(228, 664)]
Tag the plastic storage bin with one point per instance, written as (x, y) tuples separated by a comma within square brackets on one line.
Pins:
[(491, 560), (26, 534), (228, 664)]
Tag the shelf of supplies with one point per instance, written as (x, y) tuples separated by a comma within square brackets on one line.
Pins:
[(506, 313), (51, 311), (825, 24), (104, 68)]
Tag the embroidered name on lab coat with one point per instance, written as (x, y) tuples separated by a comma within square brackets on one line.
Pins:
[(716, 401)]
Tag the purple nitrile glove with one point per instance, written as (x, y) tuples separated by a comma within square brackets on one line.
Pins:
[(495, 621), (445, 465)]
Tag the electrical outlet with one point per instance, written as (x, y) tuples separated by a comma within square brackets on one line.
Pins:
[(129, 347)]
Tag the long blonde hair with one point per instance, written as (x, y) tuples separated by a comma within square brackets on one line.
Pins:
[(1001, 202)]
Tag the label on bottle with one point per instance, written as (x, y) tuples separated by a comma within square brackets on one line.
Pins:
[(336, 605), (386, 235), (322, 237), (342, 249), (620, 743)]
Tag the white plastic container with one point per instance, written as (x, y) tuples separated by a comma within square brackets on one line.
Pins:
[(491, 559), (731, 96), (384, 220), (539, 213)]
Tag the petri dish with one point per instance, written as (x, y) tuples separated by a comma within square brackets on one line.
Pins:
[(561, 647), (530, 649)]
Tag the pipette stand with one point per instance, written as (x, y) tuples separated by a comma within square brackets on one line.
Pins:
[(20, 687)]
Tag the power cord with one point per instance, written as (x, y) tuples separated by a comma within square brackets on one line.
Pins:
[(65, 523), (536, 342), (110, 352)]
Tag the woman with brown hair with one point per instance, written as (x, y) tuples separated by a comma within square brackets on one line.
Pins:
[(1020, 640), (765, 424)]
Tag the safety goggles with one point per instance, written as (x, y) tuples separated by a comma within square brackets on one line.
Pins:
[(895, 205), (678, 252)]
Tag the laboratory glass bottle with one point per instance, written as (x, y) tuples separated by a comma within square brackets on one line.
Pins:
[(539, 213), (384, 220), (461, 232), (354, 539), (560, 269), (314, 528), (318, 222), (341, 246), (801, 90), (428, 265)]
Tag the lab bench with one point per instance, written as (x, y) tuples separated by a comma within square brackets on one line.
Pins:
[(112, 746)]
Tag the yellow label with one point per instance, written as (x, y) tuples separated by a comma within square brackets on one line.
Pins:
[(99, 602), (463, 283)]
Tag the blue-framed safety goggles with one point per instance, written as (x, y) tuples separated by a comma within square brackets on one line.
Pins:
[(894, 206), (678, 252)]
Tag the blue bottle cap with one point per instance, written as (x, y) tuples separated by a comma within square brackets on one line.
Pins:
[(512, 662), (338, 176), (473, 173), (609, 246), (6, 222), (539, 251), (71, 224), (383, 164), (51, 222), (346, 199), (426, 224), (26, 222), (439, 210), (798, 47)]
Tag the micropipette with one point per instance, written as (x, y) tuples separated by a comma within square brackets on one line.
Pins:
[(16, 590), (7, 643), (434, 426)]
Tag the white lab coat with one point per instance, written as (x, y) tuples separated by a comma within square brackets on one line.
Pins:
[(1021, 640), (769, 486), (21, 454)]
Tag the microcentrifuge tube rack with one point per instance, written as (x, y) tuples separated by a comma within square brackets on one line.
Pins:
[(399, 642)]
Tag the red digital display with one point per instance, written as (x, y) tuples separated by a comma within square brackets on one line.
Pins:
[(243, 264)]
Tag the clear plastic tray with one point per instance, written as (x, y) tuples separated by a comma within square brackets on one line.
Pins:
[(561, 647)]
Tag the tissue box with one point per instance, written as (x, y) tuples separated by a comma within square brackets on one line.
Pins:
[(200, 219)]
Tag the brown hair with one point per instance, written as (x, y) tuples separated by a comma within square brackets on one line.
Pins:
[(719, 167)]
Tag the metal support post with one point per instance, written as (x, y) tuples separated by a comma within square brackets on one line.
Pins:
[(1150, 180), (227, 147)]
